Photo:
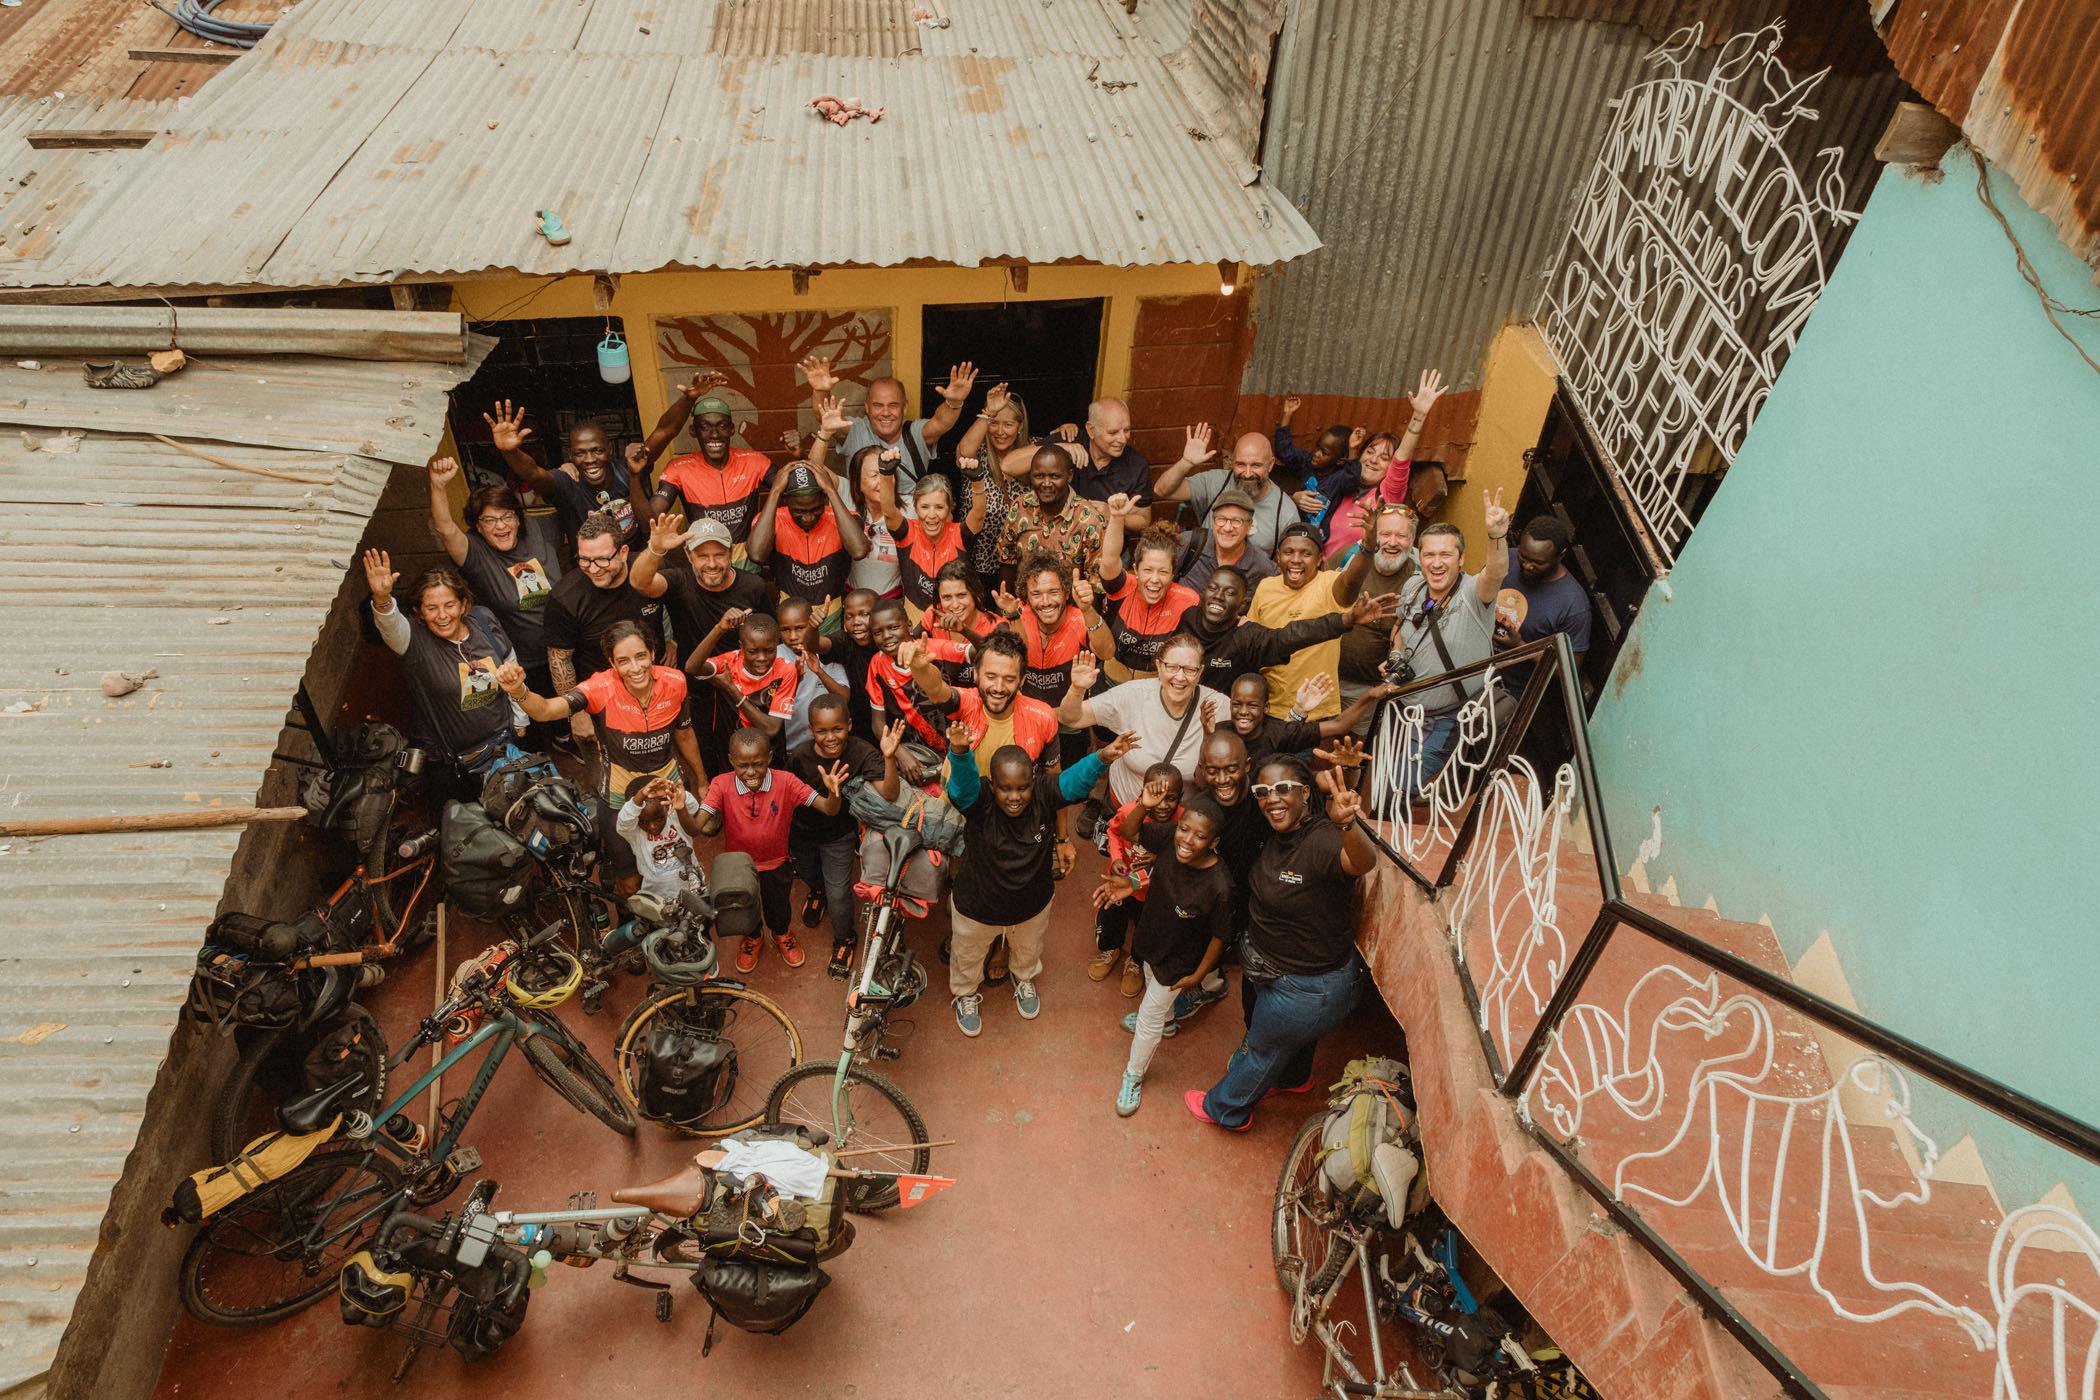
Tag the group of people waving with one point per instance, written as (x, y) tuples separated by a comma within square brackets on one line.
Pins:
[(766, 653)]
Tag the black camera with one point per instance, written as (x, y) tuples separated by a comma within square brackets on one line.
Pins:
[(1398, 669)]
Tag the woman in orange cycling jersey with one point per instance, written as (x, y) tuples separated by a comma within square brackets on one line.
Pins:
[(1145, 606)]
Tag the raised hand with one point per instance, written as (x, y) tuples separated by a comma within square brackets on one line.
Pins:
[(1008, 605), (1357, 438), (910, 653), (507, 426), (1317, 687), (995, 397), (1373, 607), (960, 740), (1344, 803), (667, 532), (960, 379), (637, 460), (1367, 517), (817, 370), (379, 575), (1497, 517), (1085, 671), (1291, 404), (733, 618), (1309, 503), (1196, 446), (892, 737), (835, 777), (511, 676), (1155, 794), (887, 462), (1120, 745), (792, 441), (442, 470), (831, 416), (1209, 716), (1427, 392), (1082, 593), (1119, 505), (696, 388), (1345, 752)]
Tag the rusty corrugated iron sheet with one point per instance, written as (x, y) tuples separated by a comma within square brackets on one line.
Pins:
[(369, 139), (125, 554), (82, 48), (1439, 148), (2022, 80)]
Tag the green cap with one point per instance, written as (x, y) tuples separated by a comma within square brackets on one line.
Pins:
[(711, 404)]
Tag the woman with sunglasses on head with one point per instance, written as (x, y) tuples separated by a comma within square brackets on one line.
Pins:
[(994, 456), (1300, 973), (643, 724)]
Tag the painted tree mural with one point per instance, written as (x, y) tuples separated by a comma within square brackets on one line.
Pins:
[(759, 354)]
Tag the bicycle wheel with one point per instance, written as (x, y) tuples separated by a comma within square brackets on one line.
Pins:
[(874, 1113), (558, 1057), (272, 1067), (767, 1046), (277, 1249), (1298, 1236)]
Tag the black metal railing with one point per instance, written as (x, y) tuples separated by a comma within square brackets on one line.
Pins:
[(1460, 804)]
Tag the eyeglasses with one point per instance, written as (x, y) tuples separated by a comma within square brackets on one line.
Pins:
[(607, 562), (1168, 668), (1282, 789), (498, 517)]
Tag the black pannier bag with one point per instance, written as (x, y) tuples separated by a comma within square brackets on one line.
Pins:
[(733, 888), (760, 1295), (529, 799), (486, 868), (688, 1071)]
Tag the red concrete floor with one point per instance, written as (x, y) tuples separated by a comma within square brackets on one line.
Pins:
[(1079, 1254)]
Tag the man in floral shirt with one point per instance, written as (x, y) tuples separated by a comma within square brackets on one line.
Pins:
[(1053, 519)]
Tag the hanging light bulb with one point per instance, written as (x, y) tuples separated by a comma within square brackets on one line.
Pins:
[(1228, 276)]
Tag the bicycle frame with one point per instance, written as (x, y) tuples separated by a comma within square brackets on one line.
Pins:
[(390, 942), (506, 1030)]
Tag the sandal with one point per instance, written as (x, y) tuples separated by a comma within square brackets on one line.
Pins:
[(115, 374), (552, 228)]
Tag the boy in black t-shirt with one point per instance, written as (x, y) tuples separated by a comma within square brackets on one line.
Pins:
[(1186, 922)]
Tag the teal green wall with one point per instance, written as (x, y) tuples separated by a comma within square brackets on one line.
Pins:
[(1869, 702)]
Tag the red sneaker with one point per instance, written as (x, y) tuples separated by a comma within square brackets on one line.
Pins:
[(1194, 1099), (790, 950), (1275, 1089), (747, 954)]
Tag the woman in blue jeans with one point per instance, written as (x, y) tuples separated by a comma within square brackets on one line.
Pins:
[(1300, 951)]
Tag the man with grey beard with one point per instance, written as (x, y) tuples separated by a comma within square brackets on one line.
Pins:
[(1366, 645)]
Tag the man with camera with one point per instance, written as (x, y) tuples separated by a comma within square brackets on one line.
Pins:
[(1447, 620)]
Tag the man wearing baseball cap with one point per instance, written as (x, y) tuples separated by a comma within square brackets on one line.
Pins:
[(719, 481), (810, 537), (1223, 543), (698, 602)]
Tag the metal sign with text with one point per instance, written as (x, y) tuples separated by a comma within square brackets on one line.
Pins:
[(1697, 252)]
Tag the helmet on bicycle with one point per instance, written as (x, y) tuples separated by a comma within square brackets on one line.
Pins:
[(543, 979), (371, 1296), (680, 957)]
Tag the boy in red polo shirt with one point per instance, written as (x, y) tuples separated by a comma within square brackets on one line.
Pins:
[(753, 806)]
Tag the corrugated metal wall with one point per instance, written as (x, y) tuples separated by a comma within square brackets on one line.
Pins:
[(1437, 146)]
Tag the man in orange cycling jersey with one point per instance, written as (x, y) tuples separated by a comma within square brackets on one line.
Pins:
[(719, 481)]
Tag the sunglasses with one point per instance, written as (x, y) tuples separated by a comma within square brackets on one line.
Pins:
[(1282, 789)]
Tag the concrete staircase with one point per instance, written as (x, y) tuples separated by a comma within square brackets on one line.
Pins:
[(1765, 1157)]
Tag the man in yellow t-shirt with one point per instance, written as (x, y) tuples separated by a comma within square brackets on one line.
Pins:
[(1300, 590)]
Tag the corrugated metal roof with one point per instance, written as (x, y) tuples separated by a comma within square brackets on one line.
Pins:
[(42, 191), (367, 139), (123, 555), (1443, 178), (82, 48), (2022, 80)]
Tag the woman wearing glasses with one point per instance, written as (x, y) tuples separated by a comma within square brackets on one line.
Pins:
[(1165, 711), (509, 558), (1300, 975)]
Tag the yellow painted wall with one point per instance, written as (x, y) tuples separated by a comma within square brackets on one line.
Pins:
[(905, 291), (1514, 396)]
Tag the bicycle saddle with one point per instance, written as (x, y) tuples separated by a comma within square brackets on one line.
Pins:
[(309, 1113), (681, 1195)]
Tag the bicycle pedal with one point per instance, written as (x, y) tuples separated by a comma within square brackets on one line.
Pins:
[(887, 1052), (463, 1159)]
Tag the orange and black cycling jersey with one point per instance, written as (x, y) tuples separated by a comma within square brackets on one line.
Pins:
[(893, 692), (729, 493), (1047, 673), (920, 558), (773, 691), (636, 740), (1139, 627), (809, 564)]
